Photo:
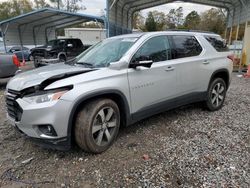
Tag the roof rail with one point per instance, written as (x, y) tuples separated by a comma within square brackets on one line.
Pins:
[(190, 30)]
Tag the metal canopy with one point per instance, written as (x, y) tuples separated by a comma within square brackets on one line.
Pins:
[(120, 12), (37, 27)]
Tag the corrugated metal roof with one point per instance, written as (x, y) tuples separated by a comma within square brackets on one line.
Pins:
[(35, 27), (136, 5), (45, 15)]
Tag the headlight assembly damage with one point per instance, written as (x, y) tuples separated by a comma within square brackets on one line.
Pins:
[(45, 96)]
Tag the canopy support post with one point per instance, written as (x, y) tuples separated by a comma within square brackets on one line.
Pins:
[(4, 33)]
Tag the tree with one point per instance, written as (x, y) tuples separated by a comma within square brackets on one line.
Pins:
[(213, 20), (150, 24), (21, 7), (5, 10), (174, 18), (68, 5), (138, 21), (160, 19), (14, 8), (192, 21), (41, 4)]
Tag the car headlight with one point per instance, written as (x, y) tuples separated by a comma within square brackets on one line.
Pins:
[(45, 97)]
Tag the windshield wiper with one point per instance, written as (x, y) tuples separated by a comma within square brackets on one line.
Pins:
[(86, 64)]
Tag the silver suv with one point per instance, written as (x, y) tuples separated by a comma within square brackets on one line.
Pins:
[(115, 83)]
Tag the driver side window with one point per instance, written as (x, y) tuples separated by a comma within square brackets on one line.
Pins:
[(156, 49)]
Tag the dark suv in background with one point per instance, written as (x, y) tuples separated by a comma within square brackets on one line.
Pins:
[(57, 50)]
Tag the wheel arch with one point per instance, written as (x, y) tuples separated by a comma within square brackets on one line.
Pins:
[(115, 95), (62, 54), (221, 73)]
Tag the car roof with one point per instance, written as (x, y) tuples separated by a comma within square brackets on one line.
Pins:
[(166, 32), (65, 39)]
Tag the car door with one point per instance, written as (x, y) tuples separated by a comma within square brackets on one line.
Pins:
[(79, 47), (186, 52), (71, 48), (151, 87)]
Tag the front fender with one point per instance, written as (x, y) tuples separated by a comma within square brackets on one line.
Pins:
[(82, 99)]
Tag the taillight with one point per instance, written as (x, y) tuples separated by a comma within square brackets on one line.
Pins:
[(231, 57), (15, 60)]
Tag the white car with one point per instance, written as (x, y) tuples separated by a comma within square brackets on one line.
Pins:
[(118, 82)]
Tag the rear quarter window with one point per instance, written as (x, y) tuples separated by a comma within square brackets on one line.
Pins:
[(218, 43), (185, 46)]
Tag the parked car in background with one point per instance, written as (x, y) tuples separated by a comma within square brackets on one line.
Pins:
[(9, 65), (118, 82), (57, 50), (21, 52)]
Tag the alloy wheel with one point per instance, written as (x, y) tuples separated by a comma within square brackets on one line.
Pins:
[(104, 126), (217, 94)]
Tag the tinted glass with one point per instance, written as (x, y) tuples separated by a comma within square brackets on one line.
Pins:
[(56, 43), (73, 42), (14, 49), (218, 43), (156, 49), (78, 43), (185, 46)]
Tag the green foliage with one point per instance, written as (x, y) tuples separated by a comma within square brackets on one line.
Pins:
[(192, 21), (38, 4), (150, 24), (213, 20), (68, 5), (160, 19), (174, 18), (14, 8)]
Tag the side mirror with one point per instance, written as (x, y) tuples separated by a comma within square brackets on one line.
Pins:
[(70, 45), (146, 64)]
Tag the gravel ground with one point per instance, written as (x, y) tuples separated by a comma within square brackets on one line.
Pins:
[(185, 147)]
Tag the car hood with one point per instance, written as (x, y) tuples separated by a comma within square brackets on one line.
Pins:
[(44, 76)]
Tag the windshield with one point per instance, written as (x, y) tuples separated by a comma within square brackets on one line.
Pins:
[(106, 51)]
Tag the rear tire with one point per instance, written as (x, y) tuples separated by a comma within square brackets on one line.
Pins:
[(97, 125), (216, 94)]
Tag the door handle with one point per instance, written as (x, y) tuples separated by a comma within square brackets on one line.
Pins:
[(206, 62), (169, 69)]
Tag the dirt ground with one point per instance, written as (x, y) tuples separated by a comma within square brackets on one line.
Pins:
[(185, 147)]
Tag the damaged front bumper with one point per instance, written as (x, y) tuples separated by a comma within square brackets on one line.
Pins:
[(35, 116)]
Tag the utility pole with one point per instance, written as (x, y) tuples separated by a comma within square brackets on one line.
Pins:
[(58, 4)]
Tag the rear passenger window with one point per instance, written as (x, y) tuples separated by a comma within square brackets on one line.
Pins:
[(218, 43), (185, 46), (156, 49)]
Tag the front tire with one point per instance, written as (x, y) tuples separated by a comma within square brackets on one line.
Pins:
[(216, 94), (36, 62), (62, 58), (97, 125)]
